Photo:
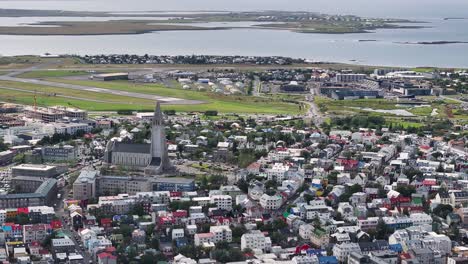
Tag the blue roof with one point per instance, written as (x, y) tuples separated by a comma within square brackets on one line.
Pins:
[(315, 252), (328, 260), (6, 228), (396, 247)]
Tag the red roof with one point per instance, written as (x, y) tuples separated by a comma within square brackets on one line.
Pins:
[(176, 194), (106, 255), (110, 249), (106, 221), (23, 210), (302, 248), (56, 224), (180, 213)]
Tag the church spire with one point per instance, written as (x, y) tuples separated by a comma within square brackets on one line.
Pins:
[(158, 117)]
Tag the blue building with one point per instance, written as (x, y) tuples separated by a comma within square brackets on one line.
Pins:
[(173, 184)]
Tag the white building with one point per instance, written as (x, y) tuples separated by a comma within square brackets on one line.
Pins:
[(177, 233), (3, 216), (346, 210), (342, 251), (421, 219), (277, 172), (272, 202), (255, 240), (221, 233), (203, 238), (305, 231), (223, 202), (84, 187), (349, 77)]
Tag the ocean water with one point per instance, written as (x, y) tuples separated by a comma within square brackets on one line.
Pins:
[(386, 49)]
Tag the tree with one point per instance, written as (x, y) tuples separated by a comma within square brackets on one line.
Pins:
[(406, 190), (222, 245), (243, 185), (381, 230), (333, 177), (126, 230), (270, 184), (442, 210), (19, 158), (3, 146), (279, 224), (137, 210), (237, 233)]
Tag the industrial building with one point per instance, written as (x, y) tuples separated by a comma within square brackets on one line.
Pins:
[(36, 170), (43, 195), (111, 76)]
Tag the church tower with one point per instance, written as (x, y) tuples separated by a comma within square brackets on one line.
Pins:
[(159, 158)]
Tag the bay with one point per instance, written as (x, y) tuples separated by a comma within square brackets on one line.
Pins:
[(386, 48)]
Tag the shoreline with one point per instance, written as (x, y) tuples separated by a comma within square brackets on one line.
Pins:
[(299, 22)]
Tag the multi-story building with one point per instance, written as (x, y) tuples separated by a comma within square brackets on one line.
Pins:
[(348, 77), (230, 190), (6, 157), (271, 202), (45, 114), (255, 240), (70, 112), (368, 223), (35, 170), (319, 237), (421, 219), (84, 187), (59, 153), (173, 184), (44, 195), (63, 245), (3, 216), (221, 233), (41, 214), (312, 211), (343, 250), (35, 233), (108, 185), (26, 184), (223, 202), (69, 128), (277, 172), (201, 238), (305, 231)]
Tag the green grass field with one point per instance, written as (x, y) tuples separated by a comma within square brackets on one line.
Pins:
[(214, 101), (222, 103), (421, 111), (52, 74), (28, 99)]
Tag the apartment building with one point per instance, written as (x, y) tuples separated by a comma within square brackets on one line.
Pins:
[(223, 202), (256, 240), (271, 202)]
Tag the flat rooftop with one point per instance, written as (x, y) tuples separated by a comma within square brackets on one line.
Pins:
[(38, 167), (174, 180)]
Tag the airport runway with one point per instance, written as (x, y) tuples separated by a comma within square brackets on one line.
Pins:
[(162, 99)]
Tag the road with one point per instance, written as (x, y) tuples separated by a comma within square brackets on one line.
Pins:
[(453, 99), (314, 112)]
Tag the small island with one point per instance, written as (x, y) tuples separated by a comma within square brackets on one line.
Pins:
[(300, 22)]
